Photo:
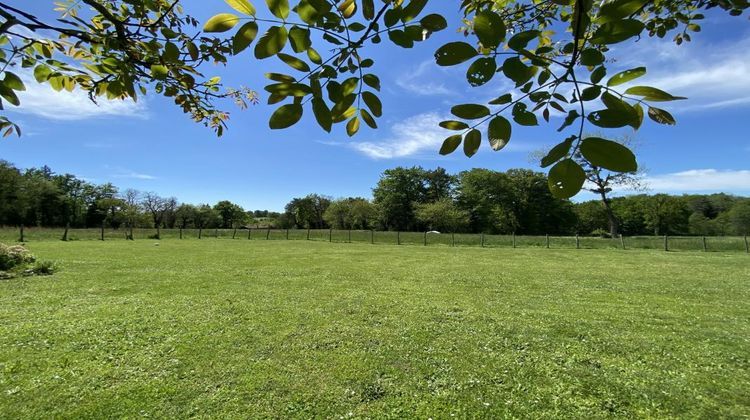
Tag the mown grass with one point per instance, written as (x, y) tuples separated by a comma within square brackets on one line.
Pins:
[(284, 329)]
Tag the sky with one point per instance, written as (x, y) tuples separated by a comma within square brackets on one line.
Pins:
[(152, 146)]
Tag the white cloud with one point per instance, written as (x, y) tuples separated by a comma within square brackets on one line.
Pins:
[(701, 180), (42, 101), (420, 80), (123, 173), (709, 75), (413, 136)]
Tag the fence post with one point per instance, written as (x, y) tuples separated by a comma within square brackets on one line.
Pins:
[(350, 236), (425, 238), (578, 242), (268, 233), (249, 232), (330, 235), (453, 238), (372, 236), (308, 234), (705, 246), (482, 240), (398, 237), (216, 233), (666, 243), (513, 238), (622, 241), (234, 233), (747, 246), (65, 234), (21, 239), (200, 232), (102, 237), (180, 232), (287, 234), (547, 238)]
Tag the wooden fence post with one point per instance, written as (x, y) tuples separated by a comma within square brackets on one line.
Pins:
[(350, 236), (547, 238), (330, 235), (453, 239), (268, 234), (102, 236), (622, 241), (425, 238), (578, 242), (372, 236), (234, 233), (249, 232), (747, 246), (513, 238), (705, 246), (65, 234), (216, 233), (398, 237), (200, 232), (308, 234), (482, 240), (21, 239), (287, 234), (666, 243), (180, 232)]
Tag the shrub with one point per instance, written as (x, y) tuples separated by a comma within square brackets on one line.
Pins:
[(41, 268), (14, 256)]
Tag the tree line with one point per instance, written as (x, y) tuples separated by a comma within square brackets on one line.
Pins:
[(404, 199)]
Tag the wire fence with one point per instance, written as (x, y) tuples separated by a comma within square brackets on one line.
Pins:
[(665, 243)]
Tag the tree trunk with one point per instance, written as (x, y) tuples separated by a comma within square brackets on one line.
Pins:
[(614, 224), (65, 234)]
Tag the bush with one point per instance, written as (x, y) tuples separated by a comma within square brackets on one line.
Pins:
[(14, 256), (41, 268)]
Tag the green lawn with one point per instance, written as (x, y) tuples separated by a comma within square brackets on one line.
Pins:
[(311, 329)]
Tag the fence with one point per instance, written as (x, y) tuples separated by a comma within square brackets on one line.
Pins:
[(665, 243)]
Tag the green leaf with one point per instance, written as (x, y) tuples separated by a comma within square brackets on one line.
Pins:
[(434, 22), (412, 10), (626, 76), (372, 81), (450, 144), (490, 28), (598, 74), (454, 53), (400, 38), (278, 77), (368, 118), (14, 82), (661, 116), (368, 9), (499, 132), (373, 102), (286, 116), (608, 154), (472, 141), (652, 94), (271, 42), (244, 37), (569, 119), (621, 107), (221, 23), (279, 8), (617, 31), (481, 71), (352, 126), (558, 152), (242, 6), (520, 40), (8, 94), (470, 111), (566, 179), (591, 93), (42, 73), (159, 72), (300, 39), (515, 70), (523, 117), (314, 56), (608, 118), (289, 89), (591, 57), (322, 114), (294, 62), (504, 99), (618, 9), (454, 125)]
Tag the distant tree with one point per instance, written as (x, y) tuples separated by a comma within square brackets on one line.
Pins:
[(740, 217), (158, 207), (664, 214), (590, 216), (399, 190), (350, 213), (442, 215), (205, 217), (232, 215), (185, 215), (307, 212)]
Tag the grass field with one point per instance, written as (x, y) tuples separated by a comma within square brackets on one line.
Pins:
[(314, 329)]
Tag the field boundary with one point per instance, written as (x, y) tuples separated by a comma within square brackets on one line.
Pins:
[(665, 243)]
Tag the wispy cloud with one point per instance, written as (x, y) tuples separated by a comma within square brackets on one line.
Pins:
[(127, 174), (42, 101), (710, 75), (713, 180), (413, 137), (421, 80)]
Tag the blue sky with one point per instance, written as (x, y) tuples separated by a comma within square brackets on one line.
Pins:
[(152, 146)]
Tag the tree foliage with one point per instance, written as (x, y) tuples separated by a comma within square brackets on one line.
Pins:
[(555, 52)]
